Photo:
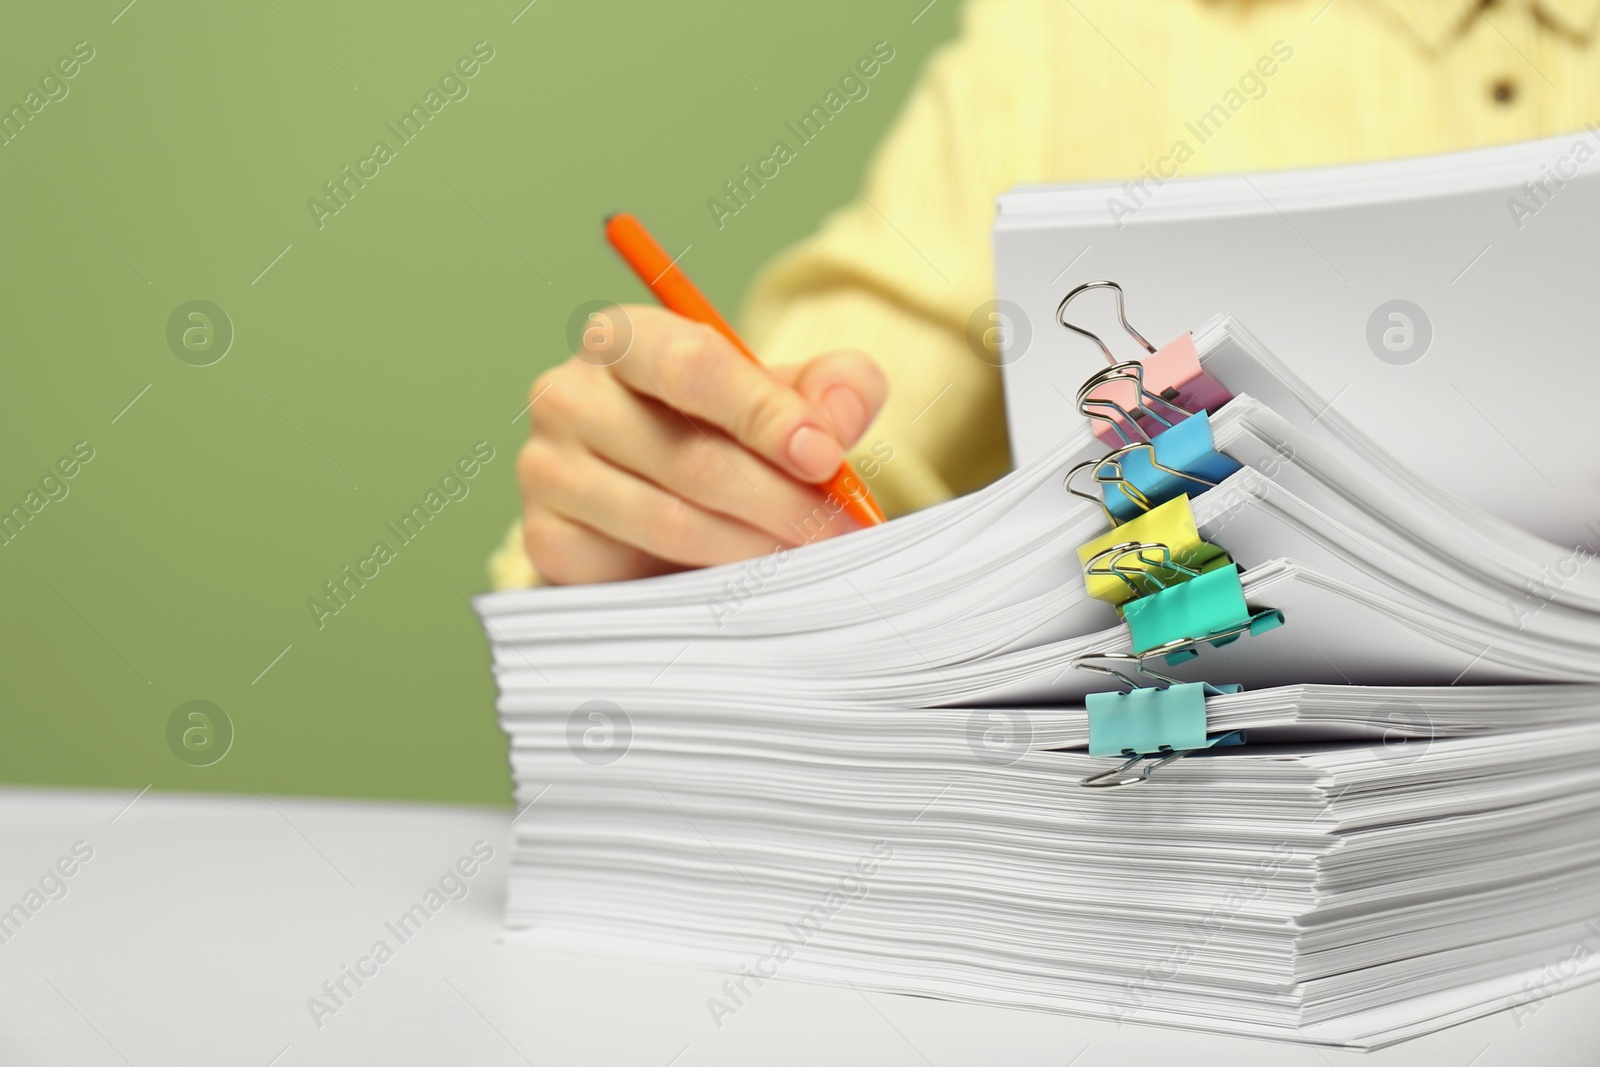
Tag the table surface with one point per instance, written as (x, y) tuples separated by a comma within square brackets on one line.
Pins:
[(200, 927)]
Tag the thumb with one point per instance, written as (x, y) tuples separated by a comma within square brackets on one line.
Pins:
[(846, 387)]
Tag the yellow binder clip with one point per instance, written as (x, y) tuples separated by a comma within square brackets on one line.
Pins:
[(1150, 552)]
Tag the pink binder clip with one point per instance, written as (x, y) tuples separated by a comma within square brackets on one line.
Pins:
[(1171, 378)]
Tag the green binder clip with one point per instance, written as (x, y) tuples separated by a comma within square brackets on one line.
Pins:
[(1207, 609), (1146, 723)]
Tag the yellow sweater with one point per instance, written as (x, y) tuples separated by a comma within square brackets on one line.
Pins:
[(1089, 90)]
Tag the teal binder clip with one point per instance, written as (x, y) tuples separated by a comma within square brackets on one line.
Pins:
[(1209, 610), (1158, 725), (1146, 723)]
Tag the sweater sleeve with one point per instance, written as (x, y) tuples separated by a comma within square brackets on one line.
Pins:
[(902, 269)]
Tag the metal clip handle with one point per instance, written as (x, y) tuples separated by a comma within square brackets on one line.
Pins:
[(1118, 778), (1122, 316)]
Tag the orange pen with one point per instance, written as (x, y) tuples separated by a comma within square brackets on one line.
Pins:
[(678, 294)]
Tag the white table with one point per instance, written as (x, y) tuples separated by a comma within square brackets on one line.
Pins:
[(201, 925)]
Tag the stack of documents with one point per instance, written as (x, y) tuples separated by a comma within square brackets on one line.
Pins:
[(1346, 894), (1442, 303), (860, 761)]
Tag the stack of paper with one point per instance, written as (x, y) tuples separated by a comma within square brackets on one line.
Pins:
[(1490, 277), (1347, 894), (859, 761)]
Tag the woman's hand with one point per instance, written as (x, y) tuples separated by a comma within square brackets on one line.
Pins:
[(681, 452)]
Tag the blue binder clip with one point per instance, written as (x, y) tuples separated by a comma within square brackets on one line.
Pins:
[(1138, 477), (1208, 609), (1150, 726)]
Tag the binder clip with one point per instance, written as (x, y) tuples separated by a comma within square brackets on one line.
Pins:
[(1138, 477), (1140, 565), (1119, 570), (1207, 609), (1139, 419), (1172, 373), (1182, 461), (1147, 725)]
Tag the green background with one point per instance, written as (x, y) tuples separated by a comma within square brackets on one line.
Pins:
[(366, 360)]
